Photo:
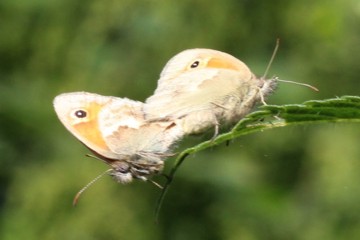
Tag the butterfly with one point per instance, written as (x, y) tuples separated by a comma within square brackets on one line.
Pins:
[(204, 88), (115, 130)]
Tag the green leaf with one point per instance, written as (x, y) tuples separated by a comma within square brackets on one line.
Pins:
[(343, 109)]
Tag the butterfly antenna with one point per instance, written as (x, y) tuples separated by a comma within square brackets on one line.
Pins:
[(77, 196), (272, 58), (280, 80), (299, 83)]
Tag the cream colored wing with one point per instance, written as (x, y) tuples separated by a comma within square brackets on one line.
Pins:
[(202, 88), (120, 113), (197, 91), (78, 112), (198, 58), (193, 79), (149, 144), (130, 138)]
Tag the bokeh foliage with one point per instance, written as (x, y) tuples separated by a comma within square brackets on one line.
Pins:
[(290, 183)]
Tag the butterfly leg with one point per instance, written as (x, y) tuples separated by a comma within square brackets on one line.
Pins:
[(216, 130), (262, 99)]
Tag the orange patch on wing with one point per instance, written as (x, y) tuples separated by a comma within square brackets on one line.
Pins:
[(90, 130), (223, 63)]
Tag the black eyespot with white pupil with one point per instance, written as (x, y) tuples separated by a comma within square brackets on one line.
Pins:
[(80, 113), (195, 64)]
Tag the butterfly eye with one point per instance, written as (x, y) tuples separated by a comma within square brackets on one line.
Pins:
[(195, 64), (80, 113)]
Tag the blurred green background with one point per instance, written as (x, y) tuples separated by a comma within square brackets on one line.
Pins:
[(291, 183)]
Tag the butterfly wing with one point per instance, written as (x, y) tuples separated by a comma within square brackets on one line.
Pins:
[(78, 112), (127, 135), (194, 91)]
